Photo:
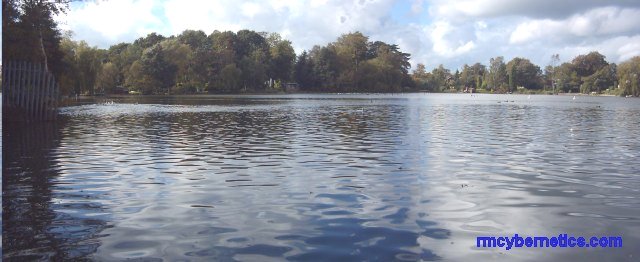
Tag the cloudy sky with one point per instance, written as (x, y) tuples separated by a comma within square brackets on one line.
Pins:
[(433, 31)]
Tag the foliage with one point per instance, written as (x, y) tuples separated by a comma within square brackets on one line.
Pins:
[(303, 72), (497, 75), (567, 79), (472, 76), (107, 79), (589, 64), (420, 77), (523, 73), (353, 64), (629, 77), (30, 32)]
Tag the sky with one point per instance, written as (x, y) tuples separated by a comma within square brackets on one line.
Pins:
[(434, 32)]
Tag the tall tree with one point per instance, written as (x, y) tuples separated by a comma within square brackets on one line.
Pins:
[(586, 65), (89, 62), (602, 79), (442, 79), (472, 76), (30, 32), (567, 79), (421, 77), (325, 67), (179, 55), (629, 76), (351, 49), (303, 72), (158, 70), (497, 74), (107, 78), (523, 73), (282, 58)]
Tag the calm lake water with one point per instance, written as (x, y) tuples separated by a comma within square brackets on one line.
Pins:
[(322, 177)]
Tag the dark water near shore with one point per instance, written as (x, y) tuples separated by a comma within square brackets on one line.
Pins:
[(322, 177)]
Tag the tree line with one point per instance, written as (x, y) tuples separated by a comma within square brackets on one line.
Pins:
[(250, 61), (229, 62), (586, 74)]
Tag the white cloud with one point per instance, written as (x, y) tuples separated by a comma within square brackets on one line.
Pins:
[(473, 9), (597, 22), (209, 16), (617, 49), (417, 6), (447, 48), (112, 20), (307, 24)]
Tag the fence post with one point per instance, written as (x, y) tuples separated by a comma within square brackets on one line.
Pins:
[(4, 84), (17, 98), (45, 100), (50, 102), (23, 82), (36, 91), (13, 83), (56, 93), (43, 95), (29, 89)]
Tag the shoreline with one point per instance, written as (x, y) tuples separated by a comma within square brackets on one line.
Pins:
[(324, 93)]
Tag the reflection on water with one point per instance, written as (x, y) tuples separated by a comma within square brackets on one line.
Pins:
[(322, 177), (36, 223)]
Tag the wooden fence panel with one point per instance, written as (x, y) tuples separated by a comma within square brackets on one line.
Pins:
[(29, 92)]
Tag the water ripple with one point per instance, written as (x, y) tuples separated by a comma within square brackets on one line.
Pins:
[(320, 177)]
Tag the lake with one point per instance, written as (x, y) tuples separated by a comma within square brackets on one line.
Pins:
[(347, 177)]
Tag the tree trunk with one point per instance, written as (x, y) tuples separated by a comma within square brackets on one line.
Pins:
[(44, 53)]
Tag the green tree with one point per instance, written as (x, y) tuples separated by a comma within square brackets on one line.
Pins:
[(68, 78), (497, 75), (230, 79), (137, 80), (441, 79), (194, 39), (351, 50), (282, 58), (550, 72), (421, 77), (629, 76), (115, 55), (158, 73), (599, 81), (30, 32), (589, 64), (567, 79), (107, 78), (303, 72), (180, 56), (524, 73), (325, 67), (149, 40), (89, 61), (388, 71)]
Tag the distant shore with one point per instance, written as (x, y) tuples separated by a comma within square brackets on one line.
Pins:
[(324, 93)]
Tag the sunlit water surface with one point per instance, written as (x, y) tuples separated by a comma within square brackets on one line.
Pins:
[(322, 177)]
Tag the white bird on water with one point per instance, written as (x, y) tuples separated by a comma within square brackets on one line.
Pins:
[(574, 97)]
